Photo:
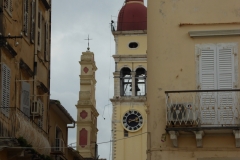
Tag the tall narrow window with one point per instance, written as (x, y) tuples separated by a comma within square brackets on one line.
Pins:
[(6, 77), (39, 30), (216, 71), (25, 98), (25, 17), (140, 82), (126, 82), (32, 33)]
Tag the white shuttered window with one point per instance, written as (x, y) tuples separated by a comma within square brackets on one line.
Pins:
[(216, 71)]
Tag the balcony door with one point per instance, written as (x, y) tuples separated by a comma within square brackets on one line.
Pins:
[(217, 69)]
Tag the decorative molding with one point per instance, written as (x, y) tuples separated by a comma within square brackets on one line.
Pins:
[(83, 135), (237, 137), (214, 33), (129, 99), (129, 32), (130, 58), (85, 69), (173, 137), (199, 135), (83, 114)]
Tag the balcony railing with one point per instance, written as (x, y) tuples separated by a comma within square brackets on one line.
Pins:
[(203, 108), (14, 124)]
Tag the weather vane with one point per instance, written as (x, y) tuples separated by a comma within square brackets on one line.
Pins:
[(88, 42)]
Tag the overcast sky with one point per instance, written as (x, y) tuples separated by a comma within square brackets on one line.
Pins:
[(72, 21)]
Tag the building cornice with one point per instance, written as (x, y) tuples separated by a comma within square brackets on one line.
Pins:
[(130, 58), (129, 32)]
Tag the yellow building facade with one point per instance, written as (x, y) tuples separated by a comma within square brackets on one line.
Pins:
[(193, 80), (129, 118), (25, 31)]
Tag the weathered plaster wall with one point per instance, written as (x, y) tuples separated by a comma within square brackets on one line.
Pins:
[(171, 66)]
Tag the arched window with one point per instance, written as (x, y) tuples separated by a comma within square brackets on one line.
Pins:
[(140, 82), (125, 82)]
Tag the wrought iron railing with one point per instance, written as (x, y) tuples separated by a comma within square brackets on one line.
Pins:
[(14, 124), (203, 108)]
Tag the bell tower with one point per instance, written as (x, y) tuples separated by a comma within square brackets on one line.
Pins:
[(129, 126), (86, 108)]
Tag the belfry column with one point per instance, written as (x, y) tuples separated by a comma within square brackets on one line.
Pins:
[(133, 83), (86, 108)]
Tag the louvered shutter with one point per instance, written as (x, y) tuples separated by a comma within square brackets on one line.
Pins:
[(225, 72), (6, 78), (33, 21), (25, 98), (207, 74), (46, 49), (26, 10), (10, 6), (6, 4), (39, 30)]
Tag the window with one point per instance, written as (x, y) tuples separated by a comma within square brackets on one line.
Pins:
[(25, 101), (6, 77), (126, 82), (25, 17), (140, 82), (32, 32), (8, 6), (133, 45), (39, 39), (217, 69)]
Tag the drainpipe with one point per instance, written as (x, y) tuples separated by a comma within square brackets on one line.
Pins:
[(74, 122)]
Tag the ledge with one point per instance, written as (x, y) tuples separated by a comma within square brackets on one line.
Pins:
[(46, 4), (129, 32), (25, 67), (214, 33)]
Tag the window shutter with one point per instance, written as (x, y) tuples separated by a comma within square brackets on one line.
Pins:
[(225, 81), (40, 119), (25, 98), (6, 78), (208, 81), (6, 4), (26, 10), (39, 30), (33, 21), (10, 6), (46, 49)]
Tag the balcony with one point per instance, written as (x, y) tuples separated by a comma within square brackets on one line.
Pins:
[(14, 124), (202, 111)]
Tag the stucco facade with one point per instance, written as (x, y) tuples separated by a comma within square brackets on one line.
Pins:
[(86, 108), (193, 50), (129, 118), (25, 31)]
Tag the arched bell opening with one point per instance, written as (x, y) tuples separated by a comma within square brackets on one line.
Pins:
[(125, 81), (140, 82)]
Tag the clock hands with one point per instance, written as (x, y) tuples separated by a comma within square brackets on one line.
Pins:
[(133, 120)]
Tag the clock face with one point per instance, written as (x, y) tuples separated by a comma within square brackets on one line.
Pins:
[(132, 121)]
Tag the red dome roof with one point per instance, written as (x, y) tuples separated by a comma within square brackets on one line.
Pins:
[(132, 16)]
